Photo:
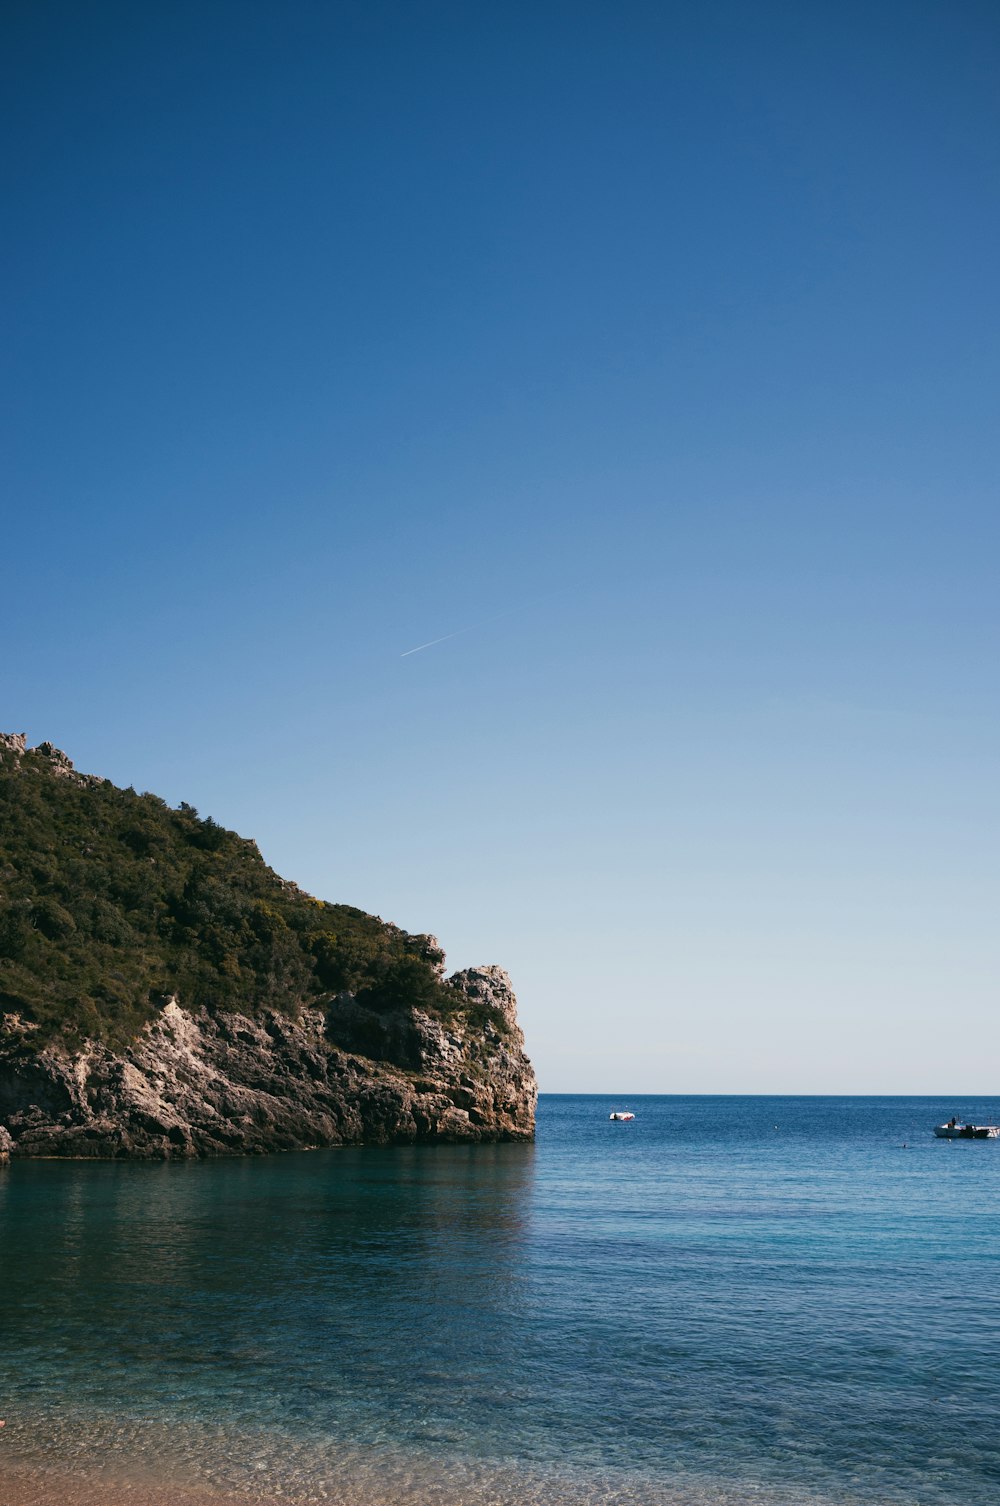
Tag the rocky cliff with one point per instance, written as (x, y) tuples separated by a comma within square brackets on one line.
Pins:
[(197, 1084), (395, 1053)]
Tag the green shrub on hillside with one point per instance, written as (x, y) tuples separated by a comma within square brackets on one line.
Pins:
[(111, 900)]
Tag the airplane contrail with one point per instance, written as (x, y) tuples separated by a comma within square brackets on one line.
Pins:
[(421, 646), (459, 631)]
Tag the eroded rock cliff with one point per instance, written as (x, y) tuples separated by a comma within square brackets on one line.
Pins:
[(195, 1084)]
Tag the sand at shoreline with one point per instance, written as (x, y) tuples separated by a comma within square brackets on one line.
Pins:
[(90, 1460), (42, 1488), (26, 1487)]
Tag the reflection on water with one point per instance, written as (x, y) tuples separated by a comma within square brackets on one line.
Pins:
[(297, 1287), (694, 1307)]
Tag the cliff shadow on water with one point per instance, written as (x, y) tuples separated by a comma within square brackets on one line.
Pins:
[(316, 1293)]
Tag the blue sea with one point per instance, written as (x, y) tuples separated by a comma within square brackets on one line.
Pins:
[(727, 1300)]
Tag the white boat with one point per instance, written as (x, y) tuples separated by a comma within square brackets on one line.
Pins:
[(955, 1131), (619, 1114)]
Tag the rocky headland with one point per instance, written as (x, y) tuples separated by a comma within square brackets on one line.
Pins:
[(164, 994)]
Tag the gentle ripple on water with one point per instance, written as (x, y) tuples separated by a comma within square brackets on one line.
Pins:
[(725, 1300)]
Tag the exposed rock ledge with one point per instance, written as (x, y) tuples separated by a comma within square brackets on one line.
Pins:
[(196, 1084)]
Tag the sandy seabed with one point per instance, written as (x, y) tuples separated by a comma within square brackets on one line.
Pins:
[(42, 1486), (78, 1460)]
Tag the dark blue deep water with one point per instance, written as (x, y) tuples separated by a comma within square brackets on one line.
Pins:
[(729, 1299)]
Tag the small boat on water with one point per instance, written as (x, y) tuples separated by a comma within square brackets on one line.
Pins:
[(955, 1131), (621, 1114)]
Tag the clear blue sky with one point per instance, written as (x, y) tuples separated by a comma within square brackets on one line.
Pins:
[(668, 331)]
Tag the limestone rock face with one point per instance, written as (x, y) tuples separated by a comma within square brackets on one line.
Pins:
[(490, 986), (196, 1084), (14, 746)]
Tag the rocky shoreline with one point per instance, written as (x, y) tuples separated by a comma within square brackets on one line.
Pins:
[(200, 1084)]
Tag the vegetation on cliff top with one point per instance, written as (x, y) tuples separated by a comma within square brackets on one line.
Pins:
[(111, 900)]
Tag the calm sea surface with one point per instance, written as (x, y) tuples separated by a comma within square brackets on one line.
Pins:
[(727, 1300)]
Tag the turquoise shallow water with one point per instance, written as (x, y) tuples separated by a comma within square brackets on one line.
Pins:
[(728, 1299)]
